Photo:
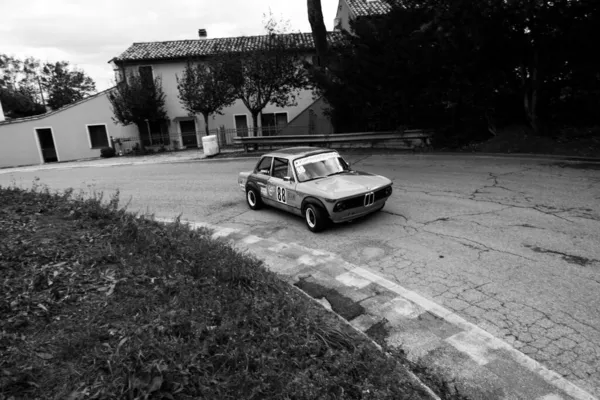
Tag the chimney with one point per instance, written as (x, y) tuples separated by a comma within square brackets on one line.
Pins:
[(202, 33), (1, 112)]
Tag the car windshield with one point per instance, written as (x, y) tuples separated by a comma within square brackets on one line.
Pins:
[(319, 166)]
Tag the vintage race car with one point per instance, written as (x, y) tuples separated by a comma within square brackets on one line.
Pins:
[(314, 183)]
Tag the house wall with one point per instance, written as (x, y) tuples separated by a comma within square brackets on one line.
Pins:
[(301, 125), (17, 147), (18, 140), (168, 71), (343, 13)]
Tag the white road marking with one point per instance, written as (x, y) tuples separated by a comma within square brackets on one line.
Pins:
[(483, 337), (350, 279), (474, 341)]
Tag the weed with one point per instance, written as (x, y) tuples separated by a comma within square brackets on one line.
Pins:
[(99, 303)]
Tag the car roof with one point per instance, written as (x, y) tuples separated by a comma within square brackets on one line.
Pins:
[(295, 152)]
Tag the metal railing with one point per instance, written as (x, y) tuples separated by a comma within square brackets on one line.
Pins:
[(409, 139), (246, 138)]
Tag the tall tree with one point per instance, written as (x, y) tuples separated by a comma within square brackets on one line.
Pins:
[(271, 73), (65, 85), (205, 88), (319, 31), (138, 100), (20, 91)]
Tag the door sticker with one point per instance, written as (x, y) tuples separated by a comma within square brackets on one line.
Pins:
[(263, 191), (281, 195)]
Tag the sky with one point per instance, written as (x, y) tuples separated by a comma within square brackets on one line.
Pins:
[(88, 33)]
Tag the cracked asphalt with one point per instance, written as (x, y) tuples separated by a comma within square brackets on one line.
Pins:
[(511, 245)]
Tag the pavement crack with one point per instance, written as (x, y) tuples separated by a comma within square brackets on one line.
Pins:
[(467, 215), (232, 217), (395, 214), (482, 247), (360, 159)]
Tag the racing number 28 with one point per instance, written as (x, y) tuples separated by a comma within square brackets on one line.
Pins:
[(281, 195)]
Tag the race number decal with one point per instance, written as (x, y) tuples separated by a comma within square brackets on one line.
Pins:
[(281, 195)]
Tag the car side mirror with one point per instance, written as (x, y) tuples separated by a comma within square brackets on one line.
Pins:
[(288, 179)]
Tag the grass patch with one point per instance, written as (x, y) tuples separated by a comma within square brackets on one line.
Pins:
[(98, 303)]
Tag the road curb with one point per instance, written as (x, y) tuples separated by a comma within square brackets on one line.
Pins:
[(451, 355), (519, 155), (82, 163)]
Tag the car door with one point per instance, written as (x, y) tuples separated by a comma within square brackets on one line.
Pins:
[(261, 175), (281, 187)]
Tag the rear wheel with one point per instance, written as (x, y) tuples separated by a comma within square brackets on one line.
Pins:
[(315, 218), (253, 199)]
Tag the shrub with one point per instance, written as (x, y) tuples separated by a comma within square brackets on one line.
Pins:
[(107, 152)]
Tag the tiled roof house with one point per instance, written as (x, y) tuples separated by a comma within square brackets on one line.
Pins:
[(168, 60), (184, 49), (349, 10)]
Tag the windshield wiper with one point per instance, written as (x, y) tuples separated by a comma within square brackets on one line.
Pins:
[(337, 173), (312, 179)]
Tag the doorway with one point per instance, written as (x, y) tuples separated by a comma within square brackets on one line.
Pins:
[(47, 146), (188, 133)]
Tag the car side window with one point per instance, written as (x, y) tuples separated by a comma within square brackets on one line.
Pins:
[(264, 166), (280, 168)]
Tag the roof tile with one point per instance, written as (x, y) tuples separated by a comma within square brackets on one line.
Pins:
[(206, 47), (362, 8)]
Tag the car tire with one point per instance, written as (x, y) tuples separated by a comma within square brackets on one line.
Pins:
[(315, 218), (253, 199)]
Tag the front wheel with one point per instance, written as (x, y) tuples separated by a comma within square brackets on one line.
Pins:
[(315, 218), (253, 199)]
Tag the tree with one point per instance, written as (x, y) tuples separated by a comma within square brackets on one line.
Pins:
[(20, 89), (65, 86), (18, 105), (319, 31), (138, 100), (271, 73), (205, 88)]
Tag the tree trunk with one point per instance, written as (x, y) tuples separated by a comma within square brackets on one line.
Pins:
[(530, 93), (254, 123), (319, 32), (142, 127), (206, 130), (533, 118)]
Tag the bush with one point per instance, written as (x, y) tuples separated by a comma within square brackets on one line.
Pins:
[(107, 152)]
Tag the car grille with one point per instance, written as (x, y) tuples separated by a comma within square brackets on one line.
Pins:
[(380, 194), (360, 201)]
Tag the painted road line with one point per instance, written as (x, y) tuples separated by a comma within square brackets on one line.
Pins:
[(478, 337), (477, 343)]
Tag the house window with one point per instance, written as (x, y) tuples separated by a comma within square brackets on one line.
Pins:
[(119, 75), (146, 73), (272, 122), (98, 136)]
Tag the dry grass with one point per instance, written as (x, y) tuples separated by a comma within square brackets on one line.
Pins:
[(98, 303)]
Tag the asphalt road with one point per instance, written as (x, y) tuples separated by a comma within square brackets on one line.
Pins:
[(511, 245)]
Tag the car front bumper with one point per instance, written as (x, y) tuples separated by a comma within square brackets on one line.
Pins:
[(357, 212)]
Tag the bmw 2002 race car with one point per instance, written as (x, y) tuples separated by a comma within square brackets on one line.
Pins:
[(314, 183)]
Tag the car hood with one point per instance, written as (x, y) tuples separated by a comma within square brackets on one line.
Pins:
[(345, 185)]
